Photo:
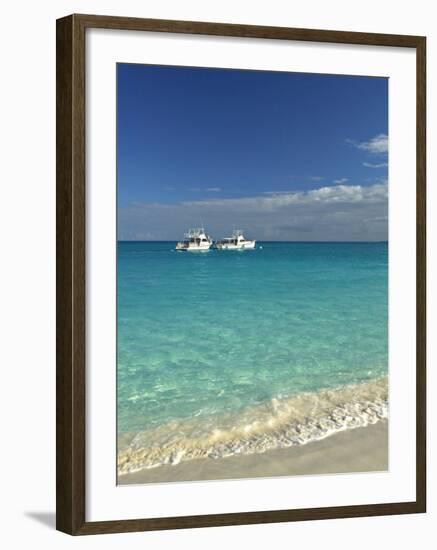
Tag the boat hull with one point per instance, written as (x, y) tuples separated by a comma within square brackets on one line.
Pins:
[(249, 245), (193, 248)]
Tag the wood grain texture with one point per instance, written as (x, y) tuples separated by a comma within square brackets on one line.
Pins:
[(71, 279), (421, 274), (64, 447), (246, 31)]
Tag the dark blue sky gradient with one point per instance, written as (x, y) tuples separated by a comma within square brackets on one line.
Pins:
[(182, 131)]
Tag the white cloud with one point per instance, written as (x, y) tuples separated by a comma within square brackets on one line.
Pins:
[(341, 212), (286, 192), (378, 165), (375, 146), (208, 189), (341, 180)]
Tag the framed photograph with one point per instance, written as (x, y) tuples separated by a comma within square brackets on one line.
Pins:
[(240, 274)]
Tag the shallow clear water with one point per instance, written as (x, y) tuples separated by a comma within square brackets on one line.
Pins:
[(212, 335)]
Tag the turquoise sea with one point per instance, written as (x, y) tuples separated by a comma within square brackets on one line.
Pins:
[(227, 352)]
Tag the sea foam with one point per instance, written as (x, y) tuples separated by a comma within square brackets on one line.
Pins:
[(278, 423)]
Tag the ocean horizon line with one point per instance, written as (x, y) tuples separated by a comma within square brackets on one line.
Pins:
[(258, 240)]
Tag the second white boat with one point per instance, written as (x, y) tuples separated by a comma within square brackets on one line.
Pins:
[(236, 242)]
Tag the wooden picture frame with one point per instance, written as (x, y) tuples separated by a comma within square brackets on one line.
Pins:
[(71, 254)]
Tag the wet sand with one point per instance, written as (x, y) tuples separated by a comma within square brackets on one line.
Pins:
[(358, 450)]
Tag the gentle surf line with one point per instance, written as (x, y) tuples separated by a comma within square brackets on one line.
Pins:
[(278, 423)]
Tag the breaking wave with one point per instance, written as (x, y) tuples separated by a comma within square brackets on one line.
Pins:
[(277, 423)]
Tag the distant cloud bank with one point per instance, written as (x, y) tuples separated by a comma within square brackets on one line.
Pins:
[(340, 212)]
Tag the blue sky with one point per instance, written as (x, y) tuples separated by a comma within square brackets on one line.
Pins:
[(288, 156)]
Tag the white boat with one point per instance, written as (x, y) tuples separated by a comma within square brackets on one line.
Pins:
[(236, 242), (195, 240)]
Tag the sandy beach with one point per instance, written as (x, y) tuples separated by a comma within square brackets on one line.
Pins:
[(358, 450)]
